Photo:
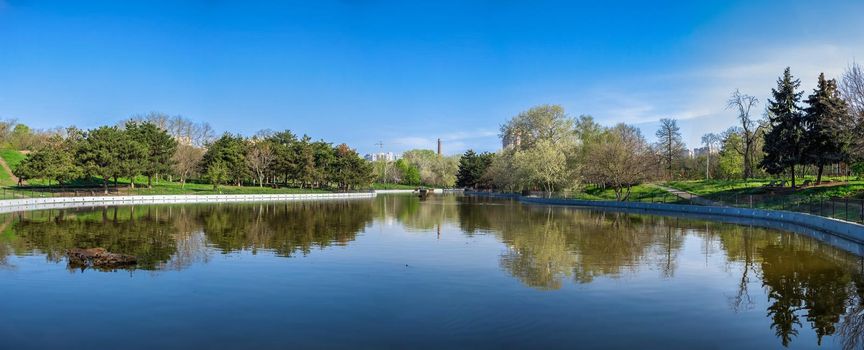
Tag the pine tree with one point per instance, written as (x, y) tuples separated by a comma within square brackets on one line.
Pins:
[(825, 120), (784, 141)]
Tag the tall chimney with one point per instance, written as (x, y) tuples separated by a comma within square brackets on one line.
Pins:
[(439, 147)]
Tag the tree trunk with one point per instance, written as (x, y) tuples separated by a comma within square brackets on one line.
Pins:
[(819, 174), (105, 185), (793, 176), (149, 181)]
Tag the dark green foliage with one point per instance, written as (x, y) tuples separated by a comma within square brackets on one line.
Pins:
[(159, 145), (472, 167), (349, 171), (230, 151), (828, 126), (109, 152), (784, 145)]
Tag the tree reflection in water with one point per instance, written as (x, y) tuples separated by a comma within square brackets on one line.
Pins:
[(808, 284), (173, 237)]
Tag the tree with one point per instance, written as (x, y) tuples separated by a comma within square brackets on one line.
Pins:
[(349, 170), (545, 165), (548, 122), (231, 151), (217, 173), (185, 161), (620, 159), (669, 143), (259, 157), (284, 155), (159, 148), (827, 123), (108, 152), (409, 174), (743, 103), (472, 166), (731, 160), (783, 143), (852, 89), (710, 140), (304, 170), (55, 160)]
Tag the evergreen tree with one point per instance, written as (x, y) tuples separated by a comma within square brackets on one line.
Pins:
[(826, 122), (108, 152), (472, 167), (231, 151), (784, 141), (159, 148)]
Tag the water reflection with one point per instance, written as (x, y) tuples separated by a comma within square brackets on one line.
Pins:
[(807, 284)]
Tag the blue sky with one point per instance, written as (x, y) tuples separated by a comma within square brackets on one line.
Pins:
[(405, 72)]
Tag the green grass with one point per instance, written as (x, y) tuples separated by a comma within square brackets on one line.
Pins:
[(12, 158), (380, 186), (638, 193), (40, 189), (827, 200)]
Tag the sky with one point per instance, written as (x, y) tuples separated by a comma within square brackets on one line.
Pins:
[(408, 72)]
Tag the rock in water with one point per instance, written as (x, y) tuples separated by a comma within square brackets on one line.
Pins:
[(98, 258)]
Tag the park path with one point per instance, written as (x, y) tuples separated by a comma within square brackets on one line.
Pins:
[(8, 170), (690, 197)]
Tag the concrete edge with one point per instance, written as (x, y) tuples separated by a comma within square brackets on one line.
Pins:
[(27, 204)]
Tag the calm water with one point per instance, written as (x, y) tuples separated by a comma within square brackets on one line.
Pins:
[(395, 272)]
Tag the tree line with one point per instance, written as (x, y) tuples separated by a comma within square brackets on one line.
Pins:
[(544, 149), (161, 147)]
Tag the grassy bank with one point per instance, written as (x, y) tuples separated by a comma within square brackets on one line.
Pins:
[(638, 193), (837, 198)]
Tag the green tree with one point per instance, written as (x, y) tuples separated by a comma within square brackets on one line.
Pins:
[(108, 152), (284, 154), (784, 141), (304, 168), (217, 173), (548, 122), (159, 148), (731, 161), (472, 167), (231, 151), (544, 165), (349, 170), (827, 124), (409, 174)]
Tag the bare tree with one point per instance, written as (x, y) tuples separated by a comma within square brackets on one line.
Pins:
[(710, 140), (620, 159), (259, 157), (852, 89), (185, 161), (743, 103), (670, 143)]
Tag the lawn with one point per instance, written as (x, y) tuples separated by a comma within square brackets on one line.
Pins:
[(39, 189), (839, 199), (638, 193), (12, 158), (380, 186)]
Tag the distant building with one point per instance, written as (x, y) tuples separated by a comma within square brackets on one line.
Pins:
[(701, 151), (385, 156)]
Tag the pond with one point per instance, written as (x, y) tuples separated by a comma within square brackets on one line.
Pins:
[(397, 272)]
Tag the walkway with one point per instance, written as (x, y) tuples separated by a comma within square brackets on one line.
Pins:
[(8, 170), (690, 197)]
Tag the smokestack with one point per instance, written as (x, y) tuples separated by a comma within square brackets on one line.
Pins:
[(439, 147)]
